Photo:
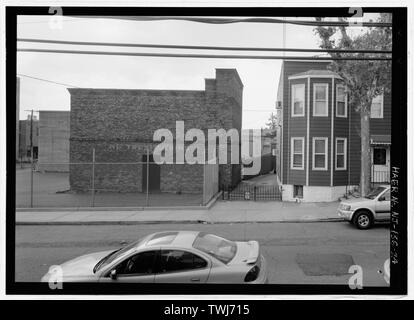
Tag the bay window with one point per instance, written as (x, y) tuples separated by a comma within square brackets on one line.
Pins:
[(297, 153), (320, 100), (341, 102), (298, 100), (320, 153), (340, 153)]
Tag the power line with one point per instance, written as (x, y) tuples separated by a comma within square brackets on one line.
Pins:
[(248, 20), (45, 80), (205, 56), (47, 21), (165, 46)]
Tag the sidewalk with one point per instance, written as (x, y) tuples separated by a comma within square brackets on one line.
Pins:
[(221, 212)]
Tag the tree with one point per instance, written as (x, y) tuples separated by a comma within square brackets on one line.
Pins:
[(364, 79), (272, 122)]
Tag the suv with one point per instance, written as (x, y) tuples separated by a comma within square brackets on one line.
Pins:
[(363, 212)]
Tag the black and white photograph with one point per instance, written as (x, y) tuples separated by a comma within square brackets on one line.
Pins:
[(193, 151)]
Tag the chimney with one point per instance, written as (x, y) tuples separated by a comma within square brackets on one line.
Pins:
[(229, 83)]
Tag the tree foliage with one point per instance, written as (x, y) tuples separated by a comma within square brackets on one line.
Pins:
[(364, 79), (272, 122)]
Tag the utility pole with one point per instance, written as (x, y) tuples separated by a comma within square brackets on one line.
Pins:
[(31, 159)]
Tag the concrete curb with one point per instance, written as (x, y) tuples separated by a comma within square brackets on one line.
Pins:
[(92, 209), (105, 222)]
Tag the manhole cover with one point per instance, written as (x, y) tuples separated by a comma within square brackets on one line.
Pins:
[(324, 264)]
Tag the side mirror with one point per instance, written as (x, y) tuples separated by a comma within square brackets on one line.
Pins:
[(113, 274)]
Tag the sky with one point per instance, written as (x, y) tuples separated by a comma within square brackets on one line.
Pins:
[(260, 77)]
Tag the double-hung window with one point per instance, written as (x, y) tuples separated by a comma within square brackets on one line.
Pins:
[(320, 100), (340, 154), (341, 102), (298, 100), (320, 153), (297, 153), (377, 107)]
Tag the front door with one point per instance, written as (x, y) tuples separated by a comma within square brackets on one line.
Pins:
[(153, 175), (138, 268), (381, 164)]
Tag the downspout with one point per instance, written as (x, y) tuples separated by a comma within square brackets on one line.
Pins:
[(349, 142), (307, 132)]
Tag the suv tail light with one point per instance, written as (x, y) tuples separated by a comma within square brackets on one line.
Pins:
[(252, 274)]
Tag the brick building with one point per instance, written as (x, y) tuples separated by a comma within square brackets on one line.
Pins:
[(119, 124), (54, 131), (26, 128), (17, 117)]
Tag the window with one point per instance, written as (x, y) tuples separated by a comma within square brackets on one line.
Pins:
[(380, 156), (162, 238), (298, 100), (297, 191), (387, 196), (297, 152), (340, 155), (377, 107), (178, 260), (374, 193), (139, 264), (220, 248), (320, 154), (341, 102), (320, 100)]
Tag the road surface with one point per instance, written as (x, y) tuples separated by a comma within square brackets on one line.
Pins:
[(297, 253)]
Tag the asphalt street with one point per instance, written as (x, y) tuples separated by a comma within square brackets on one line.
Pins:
[(297, 253)]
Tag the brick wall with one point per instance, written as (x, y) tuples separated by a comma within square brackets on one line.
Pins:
[(119, 124), (53, 139)]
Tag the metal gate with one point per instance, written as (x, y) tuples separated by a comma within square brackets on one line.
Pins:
[(245, 191)]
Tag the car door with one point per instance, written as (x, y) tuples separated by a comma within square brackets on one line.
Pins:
[(383, 206), (181, 266), (137, 268)]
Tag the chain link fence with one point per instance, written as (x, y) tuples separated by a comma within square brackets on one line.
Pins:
[(137, 184)]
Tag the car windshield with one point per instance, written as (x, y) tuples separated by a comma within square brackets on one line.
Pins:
[(114, 255), (220, 248), (374, 193)]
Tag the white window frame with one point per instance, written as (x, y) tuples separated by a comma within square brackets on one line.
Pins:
[(325, 168), (346, 102), (382, 107), (292, 139), (345, 154), (326, 86), (293, 100)]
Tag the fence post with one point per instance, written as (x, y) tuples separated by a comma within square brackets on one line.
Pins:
[(204, 184), (93, 177), (31, 178), (254, 192), (147, 173)]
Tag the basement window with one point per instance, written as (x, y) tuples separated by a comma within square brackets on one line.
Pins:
[(297, 191)]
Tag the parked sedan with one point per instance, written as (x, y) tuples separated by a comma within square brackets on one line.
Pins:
[(169, 257), (364, 212)]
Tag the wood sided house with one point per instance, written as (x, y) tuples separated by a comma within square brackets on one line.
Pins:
[(319, 135)]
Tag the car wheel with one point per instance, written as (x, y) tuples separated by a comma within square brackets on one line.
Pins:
[(363, 220)]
